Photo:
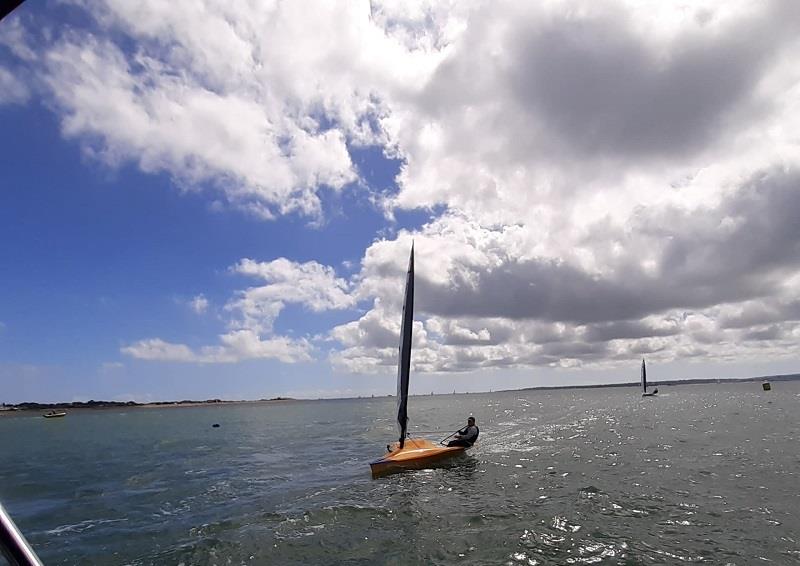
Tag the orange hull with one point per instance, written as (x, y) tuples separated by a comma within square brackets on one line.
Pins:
[(417, 453)]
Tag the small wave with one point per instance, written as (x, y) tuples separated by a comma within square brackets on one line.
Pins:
[(82, 526), (561, 524)]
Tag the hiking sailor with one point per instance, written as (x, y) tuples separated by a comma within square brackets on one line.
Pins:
[(467, 436)]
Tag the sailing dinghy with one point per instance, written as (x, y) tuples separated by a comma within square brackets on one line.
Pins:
[(644, 383), (409, 453)]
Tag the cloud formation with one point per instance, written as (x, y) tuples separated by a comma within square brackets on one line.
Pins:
[(235, 346), (252, 312), (258, 101), (719, 282), (12, 90), (199, 304), (615, 178)]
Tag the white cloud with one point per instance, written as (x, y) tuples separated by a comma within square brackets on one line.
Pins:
[(310, 284), (235, 347), (618, 177), (717, 282), (127, 110), (157, 349), (260, 101), (15, 37), (253, 311), (552, 116), (12, 90), (199, 304)]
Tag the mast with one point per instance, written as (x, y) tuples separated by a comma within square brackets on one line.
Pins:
[(644, 377), (13, 545), (404, 365)]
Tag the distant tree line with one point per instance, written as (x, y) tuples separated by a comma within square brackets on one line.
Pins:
[(92, 404)]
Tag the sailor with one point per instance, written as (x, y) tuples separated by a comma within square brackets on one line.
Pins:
[(467, 436)]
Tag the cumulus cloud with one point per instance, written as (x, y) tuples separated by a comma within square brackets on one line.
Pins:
[(127, 111), (609, 186), (310, 284), (199, 304), (710, 280), (252, 312), (615, 178), (601, 87), (234, 347), (536, 103), (258, 101)]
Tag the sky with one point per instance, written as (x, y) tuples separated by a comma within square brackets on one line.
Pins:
[(217, 199)]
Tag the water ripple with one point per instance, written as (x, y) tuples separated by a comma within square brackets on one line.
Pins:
[(698, 475)]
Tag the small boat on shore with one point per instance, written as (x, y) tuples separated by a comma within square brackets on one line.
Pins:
[(54, 414), (409, 453)]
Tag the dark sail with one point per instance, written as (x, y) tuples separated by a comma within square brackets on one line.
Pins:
[(404, 365), (644, 378)]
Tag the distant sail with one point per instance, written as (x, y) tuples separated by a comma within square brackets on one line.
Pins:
[(404, 367), (644, 377)]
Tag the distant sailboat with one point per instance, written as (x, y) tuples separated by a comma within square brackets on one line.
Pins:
[(644, 383), (408, 452)]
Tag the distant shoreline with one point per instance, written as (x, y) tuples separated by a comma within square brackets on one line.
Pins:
[(669, 382), (100, 405), (11, 409)]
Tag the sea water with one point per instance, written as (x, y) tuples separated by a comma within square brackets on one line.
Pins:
[(698, 474)]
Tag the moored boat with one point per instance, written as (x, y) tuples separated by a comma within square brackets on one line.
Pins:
[(54, 414)]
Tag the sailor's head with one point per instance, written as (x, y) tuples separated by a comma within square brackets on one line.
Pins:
[(471, 421)]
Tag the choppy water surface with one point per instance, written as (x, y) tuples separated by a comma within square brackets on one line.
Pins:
[(601, 476)]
